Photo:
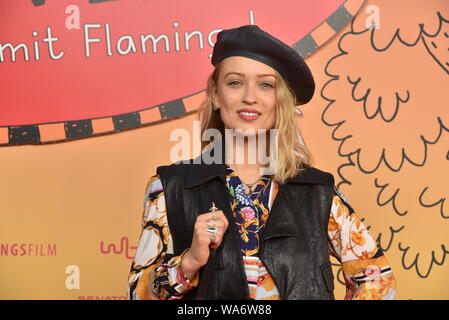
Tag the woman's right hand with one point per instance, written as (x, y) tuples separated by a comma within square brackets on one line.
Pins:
[(198, 254)]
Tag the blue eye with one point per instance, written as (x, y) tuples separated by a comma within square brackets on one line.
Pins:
[(234, 83), (266, 85)]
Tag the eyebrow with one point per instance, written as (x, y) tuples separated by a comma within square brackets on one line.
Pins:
[(241, 74)]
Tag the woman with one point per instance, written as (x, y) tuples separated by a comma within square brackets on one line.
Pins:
[(253, 229)]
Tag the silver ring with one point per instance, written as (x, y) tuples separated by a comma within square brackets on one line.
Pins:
[(212, 209), (211, 229)]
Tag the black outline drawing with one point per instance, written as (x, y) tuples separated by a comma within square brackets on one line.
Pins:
[(415, 261), (352, 158), (392, 199), (430, 205)]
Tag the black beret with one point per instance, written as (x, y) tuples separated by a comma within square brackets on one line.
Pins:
[(252, 42)]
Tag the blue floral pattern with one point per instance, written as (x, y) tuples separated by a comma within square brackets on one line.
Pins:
[(250, 210)]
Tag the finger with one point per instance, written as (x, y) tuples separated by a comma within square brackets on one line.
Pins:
[(213, 239), (213, 214), (203, 217), (218, 235), (205, 220), (208, 215), (217, 242), (201, 233), (208, 227), (219, 214), (218, 217), (222, 218), (211, 223), (214, 243), (219, 223)]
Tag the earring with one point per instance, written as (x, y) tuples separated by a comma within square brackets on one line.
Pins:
[(298, 111), (214, 107)]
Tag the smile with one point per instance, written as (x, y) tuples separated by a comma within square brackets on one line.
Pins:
[(249, 115)]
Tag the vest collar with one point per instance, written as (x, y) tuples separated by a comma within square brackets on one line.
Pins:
[(200, 173)]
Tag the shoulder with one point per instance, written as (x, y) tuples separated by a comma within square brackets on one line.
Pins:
[(339, 200), (312, 175), (176, 167), (153, 182), (153, 188), (176, 171), (175, 175), (190, 173), (318, 176)]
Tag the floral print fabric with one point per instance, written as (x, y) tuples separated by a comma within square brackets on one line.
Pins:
[(156, 273), (250, 215)]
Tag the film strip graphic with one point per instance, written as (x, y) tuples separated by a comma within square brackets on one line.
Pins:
[(55, 132)]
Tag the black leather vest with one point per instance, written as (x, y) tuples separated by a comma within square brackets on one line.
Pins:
[(294, 245)]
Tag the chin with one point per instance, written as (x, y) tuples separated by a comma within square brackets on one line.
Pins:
[(249, 130)]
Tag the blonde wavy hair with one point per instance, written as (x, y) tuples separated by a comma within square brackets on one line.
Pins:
[(293, 155)]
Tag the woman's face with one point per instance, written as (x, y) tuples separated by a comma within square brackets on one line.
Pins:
[(246, 94)]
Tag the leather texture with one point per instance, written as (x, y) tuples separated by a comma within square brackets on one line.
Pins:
[(294, 245)]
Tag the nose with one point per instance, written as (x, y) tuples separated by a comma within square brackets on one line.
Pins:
[(250, 94)]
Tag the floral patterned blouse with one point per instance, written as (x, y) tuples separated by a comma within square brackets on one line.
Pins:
[(156, 273)]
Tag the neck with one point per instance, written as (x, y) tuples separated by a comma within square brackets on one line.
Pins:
[(247, 151), (245, 160)]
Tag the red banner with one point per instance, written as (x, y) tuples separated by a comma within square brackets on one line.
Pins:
[(106, 66)]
